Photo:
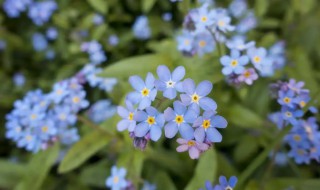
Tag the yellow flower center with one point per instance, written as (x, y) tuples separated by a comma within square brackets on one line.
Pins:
[(191, 143), (287, 100), (221, 23), (186, 42), (130, 116), (44, 129), (42, 103), (206, 124), (59, 92), (204, 19), (297, 138), (34, 116), (28, 137), (257, 59), (195, 98), (62, 116), (288, 114), (300, 152), (145, 92), (202, 43), (116, 179), (247, 74), (234, 63), (151, 120), (76, 99), (302, 103), (179, 119)]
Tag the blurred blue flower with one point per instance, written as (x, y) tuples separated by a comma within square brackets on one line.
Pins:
[(238, 43), (145, 91), (196, 96), (19, 79), (204, 43), (237, 8), (151, 122), (52, 33), (179, 119), (13, 8), (287, 98), (98, 19), (167, 16), (234, 63), (225, 184), (101, 111), (185, 41), (148, 186), (117, 181), (127, 115), (169, 83), (206, 127), (291, 115), (50, 54), (247, 23), (40, 12), (3, 45), (248, 76), (39, 42), (141, 29), (223, 21), (113, 40), (203, 18)]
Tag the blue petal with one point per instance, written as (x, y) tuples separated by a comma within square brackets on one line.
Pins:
[(179, 87), (151, 111), (170, 129), (204, 88), (195, 107), (155, 133), (122, 112), (153, 94), (150, 81), (179, 108), (122, 172), (235, 53), (160, 85), (225, 60), (198, 122), (227, 70), (145, 102), (170, 93), (190, 116), (213, 135), (233, 181), (160, 120), (223, 181), (137, 83), (219, 121), (129, 105), (134, 97), (141, 129), (140, 116), (243, 60), (178, 74), (208, 114), (186, 131), (123, 124), (189, 86), (207, 104), (163, 73), (169, 114), (199, 134), (239, 70), (185, 99)]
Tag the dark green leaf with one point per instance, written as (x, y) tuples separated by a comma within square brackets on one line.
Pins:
[(99, 5)]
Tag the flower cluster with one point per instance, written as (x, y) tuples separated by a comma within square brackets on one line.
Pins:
[(39, 12), (40, 42), (95, 51), (39, 120), (193, 116), (236, 65), (304, 137), (224, 184), (141, 29)]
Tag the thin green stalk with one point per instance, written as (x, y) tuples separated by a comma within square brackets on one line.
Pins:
[(261, 158)]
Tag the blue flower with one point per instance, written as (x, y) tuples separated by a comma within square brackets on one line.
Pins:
[(77, 100), (151, 121), (98, 19), (179, 119), (127, 115), (46, 129), (141, 29), (64, 116), (117, 179), (287, 98), (3, 44), (39, 42), (145, 91), (101, 111), (234, 63), (222, 21), (196, 96), (203, 18), (170, 83), (206, 127), (167, 16), (291, 115), (225, 184), (148, 186), (247, 23), (13, 8), (238, 7), (300, 155), (68, 136), (19, 79), (30, 142), (204, 43), (40, 12), (113, 40), (60, 91), (238, 43), (185, 41), (52, 33)]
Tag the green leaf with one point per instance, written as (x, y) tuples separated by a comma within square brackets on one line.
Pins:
[(245, 148), (10, 173), (206, 170), (99, 31), (283, 183), (147, 5), (163, 181), (243, 117), (99, 5), (38, 168), (95, 174), (83, 150), (304, 6), (261, 7), (139, 65)]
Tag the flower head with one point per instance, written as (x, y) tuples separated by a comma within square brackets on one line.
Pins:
[(127, 115), (193, 147), (117, 179), (234, 63)]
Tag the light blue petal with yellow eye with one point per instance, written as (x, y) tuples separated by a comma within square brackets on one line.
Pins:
[(150, 81), (178, 74), (219, 121), (189, 86), (140, 116), (137, 83), (207, 104), (179, 108), (204, 88), (213, 135), (163, 73), (141, 129)]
